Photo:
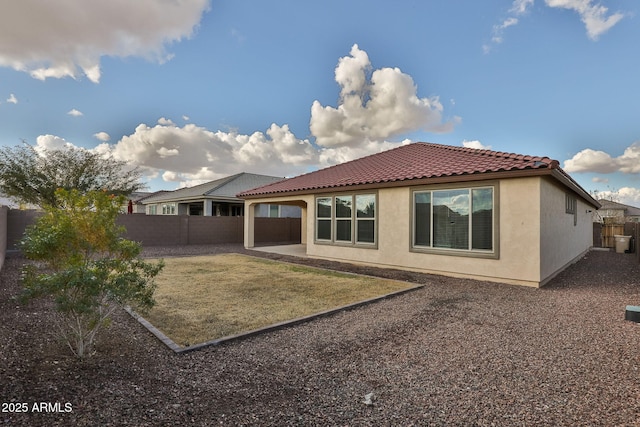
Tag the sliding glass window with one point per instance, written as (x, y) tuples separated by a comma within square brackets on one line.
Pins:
[(457, 219)]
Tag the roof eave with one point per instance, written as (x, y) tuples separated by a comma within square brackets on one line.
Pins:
[(565, 179), (192, 199)]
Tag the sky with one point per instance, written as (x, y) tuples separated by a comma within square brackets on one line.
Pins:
[(194, 90)]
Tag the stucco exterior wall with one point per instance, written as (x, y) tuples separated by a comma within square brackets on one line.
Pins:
[(536, 238), (518, 261), (562, 240)]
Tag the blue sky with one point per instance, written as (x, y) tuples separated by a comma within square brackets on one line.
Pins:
[(194, 90)]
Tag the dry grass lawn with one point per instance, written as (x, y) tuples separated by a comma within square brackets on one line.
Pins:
[(202, 298)]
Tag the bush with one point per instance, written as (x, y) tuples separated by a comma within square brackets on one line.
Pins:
[(83, 263)]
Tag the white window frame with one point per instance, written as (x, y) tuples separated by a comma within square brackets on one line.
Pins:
[(270, 212), (168, 209)]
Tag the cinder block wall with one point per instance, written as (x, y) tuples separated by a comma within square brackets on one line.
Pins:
[(161, 230), (3, 234), (17, 222), (169, 230), (277, 230)]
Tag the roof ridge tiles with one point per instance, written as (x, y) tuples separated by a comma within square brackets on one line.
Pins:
[(483, 151)]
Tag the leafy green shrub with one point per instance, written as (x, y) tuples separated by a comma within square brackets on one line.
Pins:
[(83, 263)]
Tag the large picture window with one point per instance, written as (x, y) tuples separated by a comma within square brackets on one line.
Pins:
[(458, 219), (346, 219)]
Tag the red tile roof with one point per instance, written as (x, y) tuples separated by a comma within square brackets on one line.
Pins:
[(408, 162)]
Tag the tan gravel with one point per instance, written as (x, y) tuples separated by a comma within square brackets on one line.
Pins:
[(456, 352)]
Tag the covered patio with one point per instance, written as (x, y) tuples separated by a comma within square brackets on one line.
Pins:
[(298, 250)]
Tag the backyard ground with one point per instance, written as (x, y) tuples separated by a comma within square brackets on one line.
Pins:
[(207, 297), (456, 352)]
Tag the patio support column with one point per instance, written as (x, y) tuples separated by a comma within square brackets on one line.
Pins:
[(208, 208), (303, 225), (249, 220)]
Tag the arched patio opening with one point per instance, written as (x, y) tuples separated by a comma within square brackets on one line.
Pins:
[(260, 229)]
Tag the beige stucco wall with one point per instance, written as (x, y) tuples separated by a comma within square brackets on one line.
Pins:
[(518, 261), (562, 242), (526, 255)]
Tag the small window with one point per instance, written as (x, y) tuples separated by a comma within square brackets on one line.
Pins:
[(274, 211), (169, 209), (570, 204), (571, 207)]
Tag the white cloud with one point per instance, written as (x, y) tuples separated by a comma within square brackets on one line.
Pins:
[(102, 136), (600, 180), (520, 7), (192, 153), (594, 16), (237, 35), (597, 161), (167, 152), (51, 142), (589, 160), (475, 144), (626, 195), (335, 155), (67, 38), (498, 30), (12, 99), (165, 122), (372, 110), (75, 113)]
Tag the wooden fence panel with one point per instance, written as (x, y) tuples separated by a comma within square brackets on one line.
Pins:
[(608, 231)]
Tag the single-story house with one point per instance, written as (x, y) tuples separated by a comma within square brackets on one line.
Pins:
[(440, 209), (618, 213), (214, 198)]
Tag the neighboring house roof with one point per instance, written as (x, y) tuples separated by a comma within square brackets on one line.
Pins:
[(421, 162), (611, 205), (139, 196), (224, 188)]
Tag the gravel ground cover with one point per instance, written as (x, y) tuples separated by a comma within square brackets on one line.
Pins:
[(456, 352)]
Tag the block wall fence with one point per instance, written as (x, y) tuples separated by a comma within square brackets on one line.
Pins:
[(166, 230)]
